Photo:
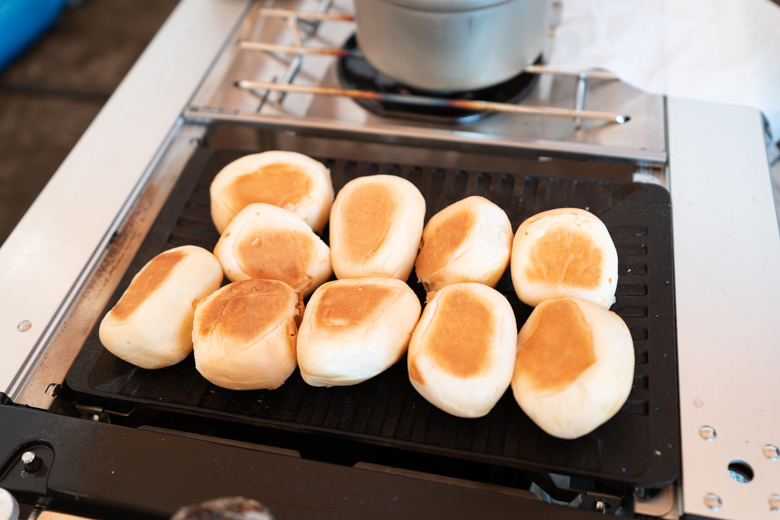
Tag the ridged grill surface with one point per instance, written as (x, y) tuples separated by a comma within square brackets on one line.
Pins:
[(640, 445)]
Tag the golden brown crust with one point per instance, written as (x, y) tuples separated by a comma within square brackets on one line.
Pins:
[(245, 310), (367, 215), (276, 254), (463, 328), (156, 272), (441, 245), (559, 350), (280, 184), (347, 305), (414, 373), (565, 256), (299, 308)]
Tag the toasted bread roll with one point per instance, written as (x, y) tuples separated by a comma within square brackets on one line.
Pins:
[(469, 241), (245, 334), (375, 228), (574, 367), (288, 180), (151, 325), (264, 242), (462, 350), (355, 329), (564, 253)]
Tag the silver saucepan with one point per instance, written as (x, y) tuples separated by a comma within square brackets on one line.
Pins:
[(451, 45)]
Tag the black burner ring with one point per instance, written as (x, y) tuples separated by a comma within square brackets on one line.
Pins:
[(357, 73)]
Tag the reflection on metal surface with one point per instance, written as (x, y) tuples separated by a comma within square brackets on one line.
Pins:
[(771, 452), (24, 326), (448, 481), (708, 433), (658, 504), (712, 501), (227, 442)]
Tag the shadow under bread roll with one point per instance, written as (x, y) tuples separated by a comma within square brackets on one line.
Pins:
[(574, 367), (355, 329), (375, 227), (264, 242), (564, 253), (288, 180), (462, 351), (469, 241), (245, 334), (151, 325)]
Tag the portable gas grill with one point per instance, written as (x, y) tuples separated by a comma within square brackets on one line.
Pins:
[(683, 188)]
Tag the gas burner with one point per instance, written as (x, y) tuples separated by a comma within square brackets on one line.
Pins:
[(355, 72)]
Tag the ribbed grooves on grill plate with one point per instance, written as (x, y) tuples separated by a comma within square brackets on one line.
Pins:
[(386, 409)]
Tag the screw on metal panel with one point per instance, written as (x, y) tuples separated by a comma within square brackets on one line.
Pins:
[(31, 462), (24, 326), (774, 503), (771, 452), (712, 501), (707, 433)]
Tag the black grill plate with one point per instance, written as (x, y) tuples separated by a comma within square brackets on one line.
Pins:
[(639, 446)]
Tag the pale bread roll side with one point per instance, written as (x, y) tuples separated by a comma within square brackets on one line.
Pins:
[(288, 180), (264, 242), (245, 335), (564, 253), (462, 351), (574, 367), (375, 227), (355, 329), (469, 241), (151, 324)]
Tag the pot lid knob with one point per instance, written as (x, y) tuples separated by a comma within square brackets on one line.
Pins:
[(31, 461)]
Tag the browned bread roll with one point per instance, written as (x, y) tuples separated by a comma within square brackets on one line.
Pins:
[(288, 180), (355, 329), (462, 350), (469, 241), (574, 367), (245, 334), (564, 253), (270, 243), (375, 227), (151, 325)]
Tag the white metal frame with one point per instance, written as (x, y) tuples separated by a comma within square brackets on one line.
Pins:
[(727, 276)]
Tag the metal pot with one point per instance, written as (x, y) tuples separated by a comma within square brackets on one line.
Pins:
[(451, 45)]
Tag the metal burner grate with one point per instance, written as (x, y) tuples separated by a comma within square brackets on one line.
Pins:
[(640, 445)]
